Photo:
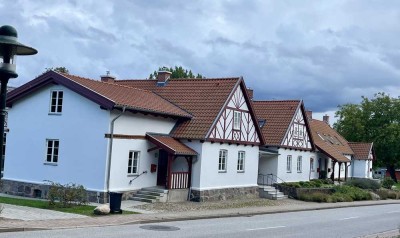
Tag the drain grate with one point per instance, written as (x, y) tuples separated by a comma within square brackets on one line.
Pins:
[(160, 228)]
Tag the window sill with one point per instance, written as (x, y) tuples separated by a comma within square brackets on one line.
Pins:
[(55, 113), (241, 172), (289, 172), (49, 163), (132, 175), (222, 171), (299, 172)]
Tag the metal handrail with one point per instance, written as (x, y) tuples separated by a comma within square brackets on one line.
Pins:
[(270, 180)]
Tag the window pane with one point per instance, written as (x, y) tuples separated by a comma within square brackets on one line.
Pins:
[(129, 169), (55, 158), (60, 94), (56, 143)]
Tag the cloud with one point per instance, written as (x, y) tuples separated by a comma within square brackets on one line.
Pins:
[(326, 53)]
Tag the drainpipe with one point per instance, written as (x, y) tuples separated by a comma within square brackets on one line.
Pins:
[(110, 149)]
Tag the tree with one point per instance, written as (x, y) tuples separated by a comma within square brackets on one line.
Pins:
[(177, 72), (58, 69), (376, 120)]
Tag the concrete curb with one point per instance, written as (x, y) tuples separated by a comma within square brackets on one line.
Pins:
[(181, 217)]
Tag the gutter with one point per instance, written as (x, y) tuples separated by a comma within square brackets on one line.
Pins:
[(110, 146)]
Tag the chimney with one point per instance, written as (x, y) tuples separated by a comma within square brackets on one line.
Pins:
[(107, 78), (309, 114), (326, 119), (250, 92), (162, 77)]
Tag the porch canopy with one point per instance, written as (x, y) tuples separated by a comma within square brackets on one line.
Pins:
[(169, 144), (174, 148)]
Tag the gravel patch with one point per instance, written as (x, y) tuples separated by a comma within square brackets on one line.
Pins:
[(200, 206)]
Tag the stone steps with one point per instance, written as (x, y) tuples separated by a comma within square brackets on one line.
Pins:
[(150, 195), (270, 192)]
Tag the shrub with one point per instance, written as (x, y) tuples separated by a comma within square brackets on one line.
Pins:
[(364, 183), (387, 183), (315, 197), (66, 195), (340, 197), (392, 195), (357, 194), (383, 193)]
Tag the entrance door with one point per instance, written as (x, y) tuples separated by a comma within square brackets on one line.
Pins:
[(162, 168)]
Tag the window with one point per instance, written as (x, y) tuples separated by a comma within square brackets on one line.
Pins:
[(312, 164), (237, 116), (342, 167), (240, 164), (299, 164), (56, 102), (133, 162), (289, 164), (223, 154), (52, 151)]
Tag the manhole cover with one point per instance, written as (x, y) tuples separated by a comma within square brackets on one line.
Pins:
[(159, 228)]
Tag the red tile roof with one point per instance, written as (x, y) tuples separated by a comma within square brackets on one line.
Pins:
[(202, 98), (132, 98), (277, 115), (329, 142), (170, 144), (361, 150)]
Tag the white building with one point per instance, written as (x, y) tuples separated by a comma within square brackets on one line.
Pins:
[(364, 154), (195, 135)]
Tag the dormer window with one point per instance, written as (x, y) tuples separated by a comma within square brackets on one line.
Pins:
[(237, 116), (261, 122), (56, 102)]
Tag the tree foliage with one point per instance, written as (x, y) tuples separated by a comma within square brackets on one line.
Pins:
[(374, 120), (177, 72), (58, 69)]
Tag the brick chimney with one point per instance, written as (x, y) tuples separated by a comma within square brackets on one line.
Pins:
[(309, 114), (162, 77), (326, 119), (250, 92), (107, 78)]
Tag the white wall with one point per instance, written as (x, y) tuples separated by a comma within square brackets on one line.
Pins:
[(361, 169), (80, 129), (196, 166), (205, 170), (268, 164), (135, 124), (325, 159), (294, 176)]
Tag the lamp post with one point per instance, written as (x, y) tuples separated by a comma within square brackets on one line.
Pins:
[(9, 49)]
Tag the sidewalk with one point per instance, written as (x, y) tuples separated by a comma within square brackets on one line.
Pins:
[(20, 225)]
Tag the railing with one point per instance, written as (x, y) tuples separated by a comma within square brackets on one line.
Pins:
[(180, 180), (269, 180)]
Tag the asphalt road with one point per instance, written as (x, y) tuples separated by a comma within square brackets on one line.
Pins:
[(342, 222)]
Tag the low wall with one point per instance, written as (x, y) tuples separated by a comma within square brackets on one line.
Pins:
[(297, 192), (224, 194)]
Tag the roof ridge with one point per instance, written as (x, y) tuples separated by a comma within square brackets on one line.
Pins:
[(289, 100), (183, 79)]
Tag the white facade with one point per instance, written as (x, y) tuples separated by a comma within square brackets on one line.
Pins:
[(362, 168), (82, 149), (206, 174), (325, 163)]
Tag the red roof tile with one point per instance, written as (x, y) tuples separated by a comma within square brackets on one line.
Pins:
[(170, 144), (361, 150), (329, 142), (202, 98), (277, 115), (132, 98)]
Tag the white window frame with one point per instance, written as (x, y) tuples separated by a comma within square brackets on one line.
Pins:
[(58, 102), (299, 164), (222, 161), (52, 151), (133, 156), (312, 164), (240, 162), (289, 164), (237, 120), (342, 167)]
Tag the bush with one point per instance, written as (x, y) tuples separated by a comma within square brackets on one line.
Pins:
[(67, 195), (357, 194), (383, 193), (315, 197), (364, 184), (387, 183)]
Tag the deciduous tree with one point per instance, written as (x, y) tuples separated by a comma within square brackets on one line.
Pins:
[(177, 72)]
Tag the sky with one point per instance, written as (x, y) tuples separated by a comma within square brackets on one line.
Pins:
[(327, 53)]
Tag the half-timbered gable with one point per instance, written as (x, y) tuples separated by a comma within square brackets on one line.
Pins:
[(235, 123), (297, 135)]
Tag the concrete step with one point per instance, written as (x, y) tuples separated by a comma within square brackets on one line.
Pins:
[(277, 197), (155, 189), (150, 193), (146, 196), (143, 199)]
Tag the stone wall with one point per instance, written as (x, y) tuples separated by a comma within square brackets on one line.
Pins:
[(296, 192), (33, 190), (223, 194)]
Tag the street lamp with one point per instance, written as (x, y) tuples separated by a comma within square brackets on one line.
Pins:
[(9, 49)]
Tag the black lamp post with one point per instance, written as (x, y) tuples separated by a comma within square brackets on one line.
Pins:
[(9, 49)]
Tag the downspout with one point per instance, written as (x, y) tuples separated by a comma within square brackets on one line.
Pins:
[(110, 149)]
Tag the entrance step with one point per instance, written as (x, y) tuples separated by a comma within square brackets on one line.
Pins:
[(271, 193), (150, 195)]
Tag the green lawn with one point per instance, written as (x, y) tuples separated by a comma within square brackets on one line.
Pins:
[(83, 209)]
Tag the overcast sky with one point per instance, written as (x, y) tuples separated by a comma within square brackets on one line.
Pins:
[(324, 52)]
